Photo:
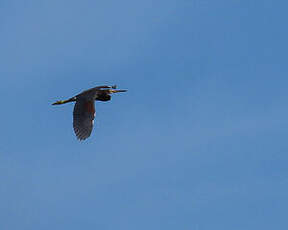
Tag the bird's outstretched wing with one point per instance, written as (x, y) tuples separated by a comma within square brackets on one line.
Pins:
[(83, 117)]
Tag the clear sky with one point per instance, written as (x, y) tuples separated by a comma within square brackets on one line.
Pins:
[(198, 142)]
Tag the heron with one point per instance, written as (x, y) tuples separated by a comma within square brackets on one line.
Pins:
[(84, 108)]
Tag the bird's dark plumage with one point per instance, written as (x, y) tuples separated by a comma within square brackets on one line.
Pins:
[(84, 109)]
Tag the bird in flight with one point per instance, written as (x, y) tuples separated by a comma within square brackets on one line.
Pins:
[(84, 109)]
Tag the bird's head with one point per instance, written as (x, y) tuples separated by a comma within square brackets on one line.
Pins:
[(105, 95), (116, 91)]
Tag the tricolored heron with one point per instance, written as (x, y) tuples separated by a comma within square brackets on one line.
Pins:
[(84, 109)]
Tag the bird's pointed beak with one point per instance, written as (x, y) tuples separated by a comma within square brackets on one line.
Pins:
[(117, 90)]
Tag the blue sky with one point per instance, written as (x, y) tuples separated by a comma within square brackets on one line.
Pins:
[(198, 142)]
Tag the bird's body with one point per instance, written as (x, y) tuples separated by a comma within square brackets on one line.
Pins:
[(84, 109)]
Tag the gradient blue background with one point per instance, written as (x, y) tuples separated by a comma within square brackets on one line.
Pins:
[(198, 142)]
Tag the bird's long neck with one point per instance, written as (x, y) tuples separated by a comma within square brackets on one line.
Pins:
[(103, 97), (65, 101)]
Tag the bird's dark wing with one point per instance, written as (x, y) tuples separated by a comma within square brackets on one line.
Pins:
[(83, 117)]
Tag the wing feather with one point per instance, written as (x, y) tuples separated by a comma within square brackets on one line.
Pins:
[(83, 118)]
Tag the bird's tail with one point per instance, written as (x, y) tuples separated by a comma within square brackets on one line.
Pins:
[(65, 101)]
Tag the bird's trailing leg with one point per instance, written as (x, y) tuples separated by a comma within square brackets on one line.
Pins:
[(65, 101)]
